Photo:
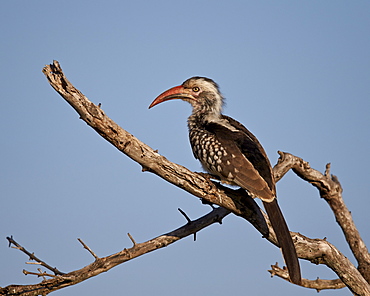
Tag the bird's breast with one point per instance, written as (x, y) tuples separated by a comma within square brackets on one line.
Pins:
[(212, 155)]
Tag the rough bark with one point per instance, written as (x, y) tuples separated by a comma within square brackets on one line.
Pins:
[(100, 265), (317, 251), (331, 191)]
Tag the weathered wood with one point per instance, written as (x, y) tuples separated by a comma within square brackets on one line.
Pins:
[(105, 263), (198, 185), (238, 202)]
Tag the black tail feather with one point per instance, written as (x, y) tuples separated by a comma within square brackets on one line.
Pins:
[(285, 240)]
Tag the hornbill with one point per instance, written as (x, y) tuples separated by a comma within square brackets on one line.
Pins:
[(228, 150)]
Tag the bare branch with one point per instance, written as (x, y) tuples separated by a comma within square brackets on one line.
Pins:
[(320, 251), (189, 221), (132, 239), (104, 264), (199, 185), (39, 274), (32, 256), (185, 215), (331, 191), (318, 284), (237, 201), (87, 248)]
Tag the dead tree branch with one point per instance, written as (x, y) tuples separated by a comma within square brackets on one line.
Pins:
[(32, 256), (198, 185), (318, 284), (331, 191), (236, 201), (106, 263), (88, 249)]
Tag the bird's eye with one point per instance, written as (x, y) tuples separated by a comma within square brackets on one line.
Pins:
[(196, 89)]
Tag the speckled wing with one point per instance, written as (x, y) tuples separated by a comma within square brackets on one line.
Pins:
[(245, 163), (254, 152)]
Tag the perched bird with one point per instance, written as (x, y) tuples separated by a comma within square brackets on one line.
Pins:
[(228, 150)]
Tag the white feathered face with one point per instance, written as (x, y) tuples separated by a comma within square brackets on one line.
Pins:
[(201, 92)]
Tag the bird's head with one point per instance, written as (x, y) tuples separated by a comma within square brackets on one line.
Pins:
[(201, 92)]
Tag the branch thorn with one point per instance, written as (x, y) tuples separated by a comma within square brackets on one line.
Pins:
[(189, 221), (87, 248), (327, 169), (184, 214), (131, 238)]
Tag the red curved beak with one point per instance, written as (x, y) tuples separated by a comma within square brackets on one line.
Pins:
[(177, 92)]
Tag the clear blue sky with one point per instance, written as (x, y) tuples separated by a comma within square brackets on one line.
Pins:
[(296, 73)]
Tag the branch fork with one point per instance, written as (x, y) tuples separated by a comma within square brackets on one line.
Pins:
[(317, 251)]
